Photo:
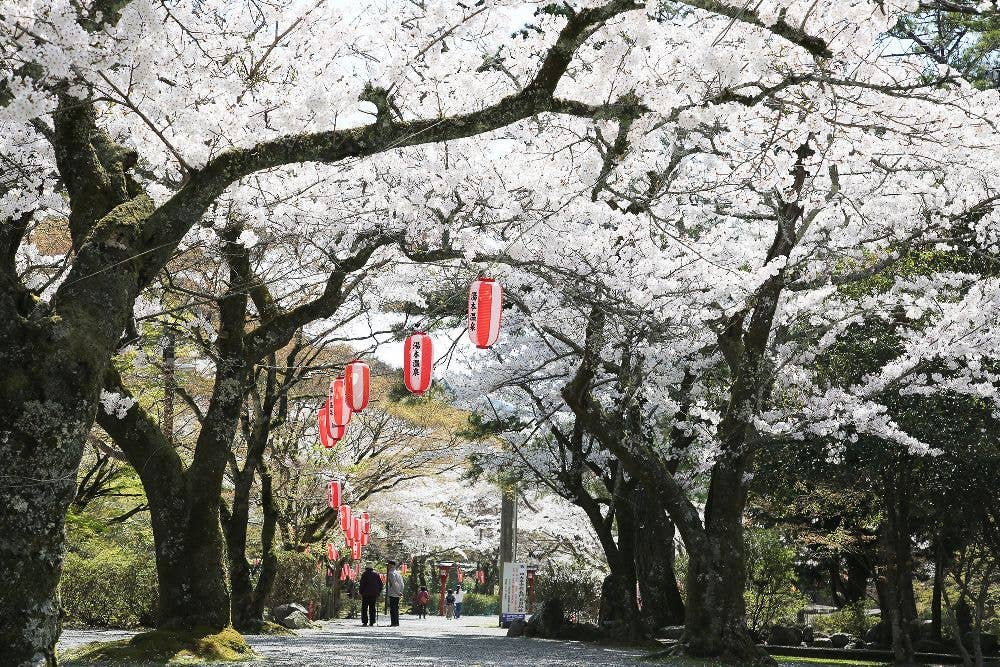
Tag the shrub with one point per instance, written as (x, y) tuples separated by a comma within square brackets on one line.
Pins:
[(850, 619), (579, 592), (771, 595), (479, 604), (296, 580), (111, 588)]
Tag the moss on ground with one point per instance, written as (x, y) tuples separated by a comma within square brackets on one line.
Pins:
[(165, 647)]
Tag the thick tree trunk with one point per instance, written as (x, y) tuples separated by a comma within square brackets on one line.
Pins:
[(235, 524), (715, 617), (618, 612), (190, 549), (49, 391), (247, 600), (654, 563), (38, 484), (269, 557), (619, 609), (715, 620), (936, 616)]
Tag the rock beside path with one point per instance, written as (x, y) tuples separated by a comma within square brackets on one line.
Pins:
[(283, 611), (296, 621)]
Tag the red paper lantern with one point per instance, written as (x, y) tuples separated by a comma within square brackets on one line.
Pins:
[(357, 528), (334, 493), (357, 566), (485, 304), (333, 431), (343, 572), (366, 522), (332, 553), (345, 517), (404, 569), (323, 424), (365, 538), (340, 411), (357, 378), (460, 575), (356, 551), (417, 360)]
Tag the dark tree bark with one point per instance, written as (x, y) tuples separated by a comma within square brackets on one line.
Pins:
[(662, 603), (936, 597), (189, 595), (247, 600), (897, 558), (859, 573), (619, 608)]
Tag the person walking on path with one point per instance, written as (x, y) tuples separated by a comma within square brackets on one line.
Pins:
[(423, 597), (370, 587), (394, 591), (459, 596), (449, 604)]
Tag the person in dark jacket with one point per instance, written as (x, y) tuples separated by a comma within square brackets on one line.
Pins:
[(370, 587)]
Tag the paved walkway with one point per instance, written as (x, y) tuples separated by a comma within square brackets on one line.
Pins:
[(473, 641)]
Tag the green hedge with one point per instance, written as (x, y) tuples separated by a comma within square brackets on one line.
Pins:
[(479, 604), (113, 588)]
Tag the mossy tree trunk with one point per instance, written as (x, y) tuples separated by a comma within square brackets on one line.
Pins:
[(53, 355), (715, 613)]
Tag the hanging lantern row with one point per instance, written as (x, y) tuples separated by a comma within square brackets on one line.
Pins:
[(348, 394), (335, 492), (332, 553), (485, 313)]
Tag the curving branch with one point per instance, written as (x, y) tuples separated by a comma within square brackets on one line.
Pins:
[(814, 45)]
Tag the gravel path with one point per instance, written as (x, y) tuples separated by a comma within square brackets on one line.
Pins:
[(471, 642)]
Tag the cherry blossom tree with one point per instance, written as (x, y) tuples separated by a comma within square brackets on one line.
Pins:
[(144, 114), (726, 171)]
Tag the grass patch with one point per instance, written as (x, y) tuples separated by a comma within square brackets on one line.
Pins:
[(165, 647), (784, 661)]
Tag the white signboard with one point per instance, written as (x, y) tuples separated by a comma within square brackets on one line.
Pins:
[(514, 592)]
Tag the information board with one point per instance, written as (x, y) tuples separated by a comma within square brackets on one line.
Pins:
[(513, 592)]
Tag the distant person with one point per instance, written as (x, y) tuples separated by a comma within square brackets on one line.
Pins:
[(459, 596), (370, 587), (423, 597), (394, 591), (449, 604)]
